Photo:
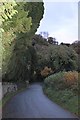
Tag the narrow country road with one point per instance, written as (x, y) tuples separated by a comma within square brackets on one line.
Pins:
[(32, 103)]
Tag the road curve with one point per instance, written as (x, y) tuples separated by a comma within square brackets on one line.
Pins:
[(32, 103)]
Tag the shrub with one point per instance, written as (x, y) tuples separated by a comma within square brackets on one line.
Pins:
[(71, 77), (55, 80), (46, 71), (63, 80)]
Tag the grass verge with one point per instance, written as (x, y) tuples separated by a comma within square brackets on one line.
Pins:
[(64, 98), (62, 88)]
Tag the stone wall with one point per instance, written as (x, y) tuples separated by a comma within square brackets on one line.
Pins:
[(8, 87)]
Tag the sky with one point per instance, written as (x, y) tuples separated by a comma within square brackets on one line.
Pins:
[(60, 20)]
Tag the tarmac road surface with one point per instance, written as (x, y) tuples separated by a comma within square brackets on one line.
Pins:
[(32, 103)]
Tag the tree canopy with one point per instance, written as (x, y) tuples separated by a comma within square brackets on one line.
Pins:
[(7, 11), (56, 57), (19, 60)]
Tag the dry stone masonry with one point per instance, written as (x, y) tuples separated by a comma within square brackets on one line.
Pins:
[(8, 87)]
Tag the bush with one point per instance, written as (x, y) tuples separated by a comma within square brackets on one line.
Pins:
[(46, 71), (71, 81), (55, 80), (71, 77), (63, 80)]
